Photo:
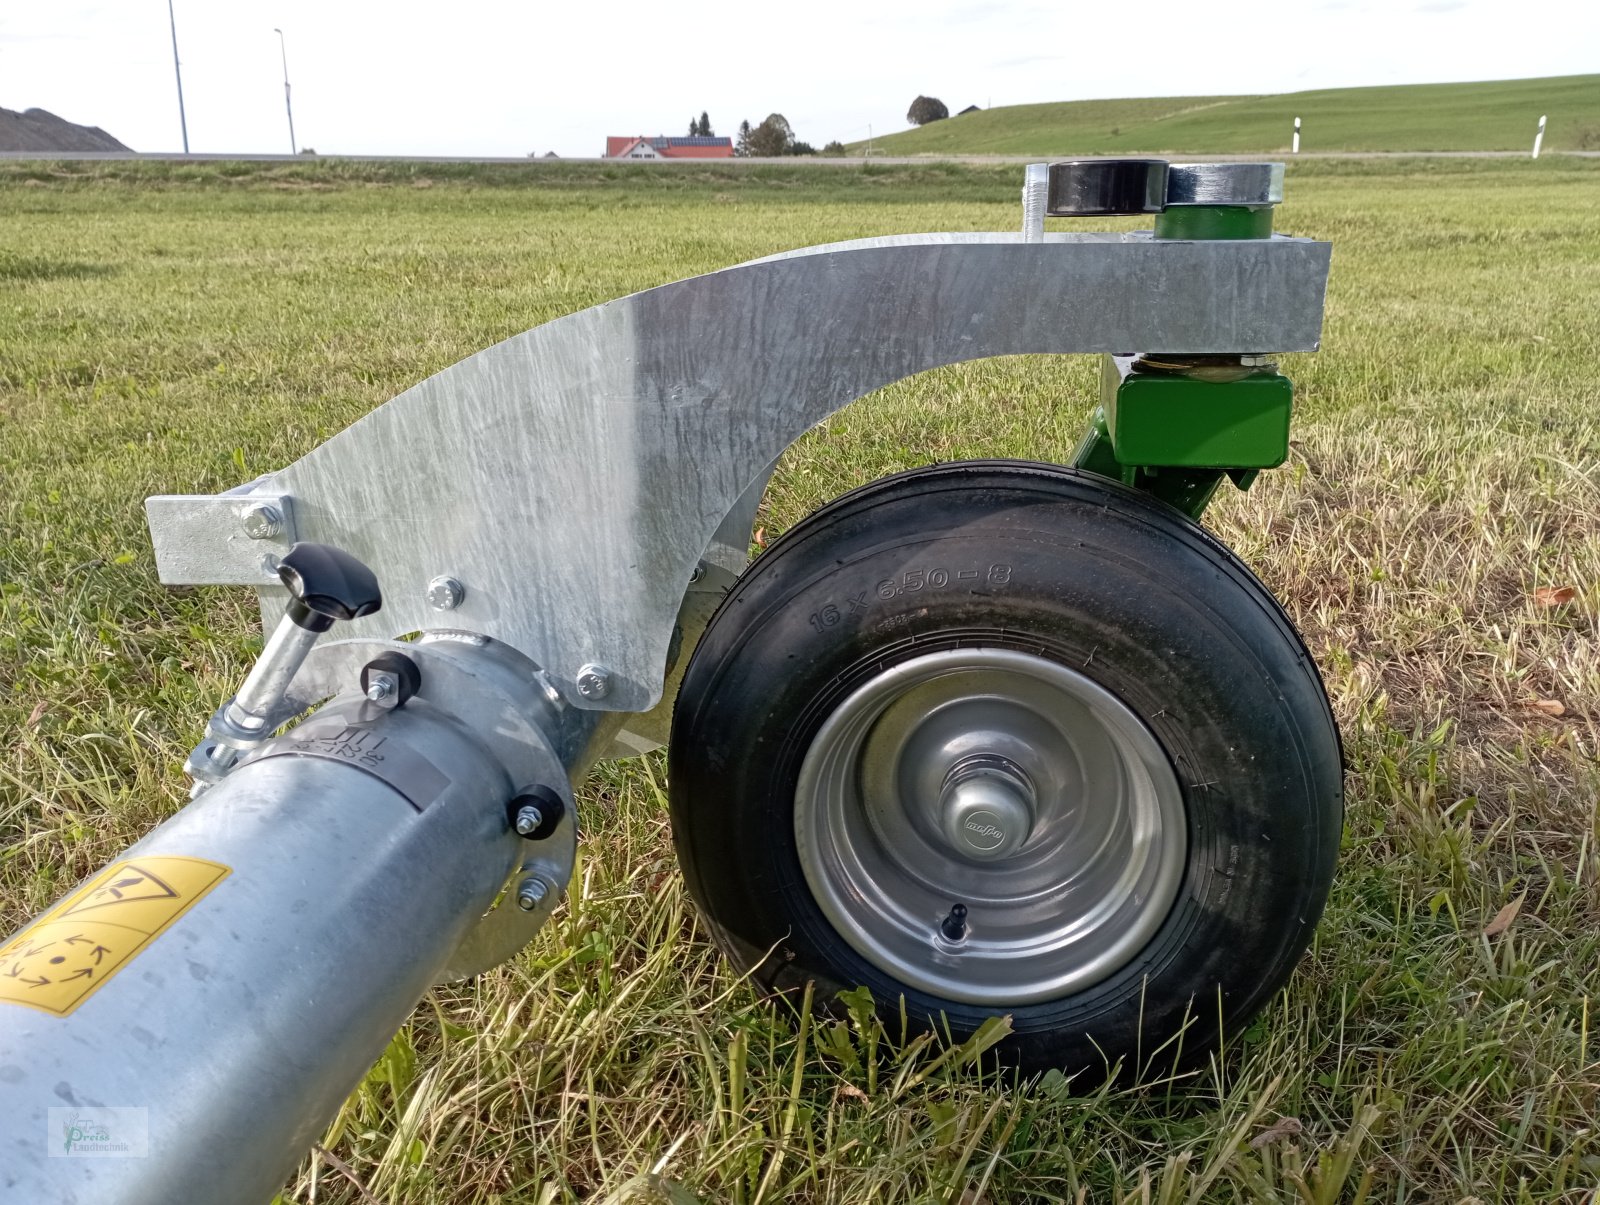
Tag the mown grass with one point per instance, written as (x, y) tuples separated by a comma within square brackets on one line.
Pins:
[(1435, 535), (1493, 115)]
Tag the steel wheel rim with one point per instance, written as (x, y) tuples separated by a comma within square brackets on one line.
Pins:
[(886, 790)]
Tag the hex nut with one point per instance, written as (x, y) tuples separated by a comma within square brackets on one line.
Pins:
[(383, 689), (445, 593), (531, 892)]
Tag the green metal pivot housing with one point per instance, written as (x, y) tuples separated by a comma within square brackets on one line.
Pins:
[(1178, 420), (1175, 426)]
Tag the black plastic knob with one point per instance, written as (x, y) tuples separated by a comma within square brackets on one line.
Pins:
[(327, 583)]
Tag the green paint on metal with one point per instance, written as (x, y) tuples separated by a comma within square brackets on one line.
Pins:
[(1214, 222), (1190, 490), (1187, 489), (1175, 421), (1094, 452), (1172, 434)]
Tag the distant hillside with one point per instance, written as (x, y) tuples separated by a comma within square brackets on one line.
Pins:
[(38, 130), (1498, 115)]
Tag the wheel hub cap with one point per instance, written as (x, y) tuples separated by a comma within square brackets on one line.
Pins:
[(990, 826), (988, 808)]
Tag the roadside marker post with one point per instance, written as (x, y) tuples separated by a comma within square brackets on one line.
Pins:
[(1296, 147), (1538, 138)]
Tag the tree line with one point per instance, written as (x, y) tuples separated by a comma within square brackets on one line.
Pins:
[(774, 138)]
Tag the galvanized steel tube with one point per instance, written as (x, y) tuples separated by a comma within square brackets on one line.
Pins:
[(241, 1027)]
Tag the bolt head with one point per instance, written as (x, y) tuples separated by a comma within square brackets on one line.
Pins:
[(445, 593), (594, 681), (531, 893), (262, 521), (529, 818)]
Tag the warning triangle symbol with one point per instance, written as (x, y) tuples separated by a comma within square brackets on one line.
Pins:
[(129, 884)]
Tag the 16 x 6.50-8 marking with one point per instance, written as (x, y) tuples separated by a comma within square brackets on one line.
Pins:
[(914, 581)]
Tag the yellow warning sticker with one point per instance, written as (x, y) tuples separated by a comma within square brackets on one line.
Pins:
[(58, 962)]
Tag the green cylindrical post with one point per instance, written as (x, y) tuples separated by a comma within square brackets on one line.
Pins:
[(1214, 222)]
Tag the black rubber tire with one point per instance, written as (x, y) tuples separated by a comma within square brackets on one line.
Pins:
[(1104, 579)]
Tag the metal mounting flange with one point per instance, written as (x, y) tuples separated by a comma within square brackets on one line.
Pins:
[(1106, 187), (1249, 184)]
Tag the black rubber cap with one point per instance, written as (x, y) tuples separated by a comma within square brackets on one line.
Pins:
[(327, 584), (1107, 187), (550, 806)]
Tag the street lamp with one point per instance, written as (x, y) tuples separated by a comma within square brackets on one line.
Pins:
[(177, 69), (287, 107)]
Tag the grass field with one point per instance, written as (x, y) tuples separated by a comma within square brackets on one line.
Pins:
[(1436, 536), (1498, 115)]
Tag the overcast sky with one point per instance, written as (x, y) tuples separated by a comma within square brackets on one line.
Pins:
[(494, 77)]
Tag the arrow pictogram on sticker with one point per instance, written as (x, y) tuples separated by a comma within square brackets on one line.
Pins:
[(70, 952), (133, 885)]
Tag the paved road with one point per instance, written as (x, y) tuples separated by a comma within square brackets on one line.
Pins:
[(163, 157)]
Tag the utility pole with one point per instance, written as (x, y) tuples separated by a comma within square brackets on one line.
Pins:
[(178, 71), (287, 107)]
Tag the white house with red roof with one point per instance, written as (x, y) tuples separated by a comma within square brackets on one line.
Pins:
[(659, 147)]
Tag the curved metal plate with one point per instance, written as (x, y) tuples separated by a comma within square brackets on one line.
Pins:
[(572, 476)]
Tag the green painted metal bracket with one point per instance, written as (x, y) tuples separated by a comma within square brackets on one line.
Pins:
[(1188, 489), (1179, 420), (1175, 429)]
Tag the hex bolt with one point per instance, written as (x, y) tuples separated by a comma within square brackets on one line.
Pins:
[(531, 892), (954, 926), (529, 818), (263, 521), (594, 681), (445, 593), (383, 689)]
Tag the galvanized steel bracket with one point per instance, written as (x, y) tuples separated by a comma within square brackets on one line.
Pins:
[(203, 539), (572, 477)]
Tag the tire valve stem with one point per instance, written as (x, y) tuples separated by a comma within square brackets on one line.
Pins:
[(954, 926)]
